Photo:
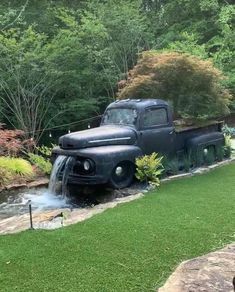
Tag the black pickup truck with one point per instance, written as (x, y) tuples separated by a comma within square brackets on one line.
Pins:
[(129, 129)]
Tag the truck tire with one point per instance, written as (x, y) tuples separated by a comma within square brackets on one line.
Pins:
[(122, 175)]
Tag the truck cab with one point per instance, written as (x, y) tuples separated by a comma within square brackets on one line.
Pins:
[(129, 129)]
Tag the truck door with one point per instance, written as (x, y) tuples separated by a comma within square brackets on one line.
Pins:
[(157, 133)]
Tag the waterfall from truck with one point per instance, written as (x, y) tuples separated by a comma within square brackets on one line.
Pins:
[(59, 176)]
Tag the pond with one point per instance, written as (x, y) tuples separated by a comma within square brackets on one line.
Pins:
[(16, 202)]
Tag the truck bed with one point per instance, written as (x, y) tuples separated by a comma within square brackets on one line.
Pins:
[(211, 124), (183, 133)]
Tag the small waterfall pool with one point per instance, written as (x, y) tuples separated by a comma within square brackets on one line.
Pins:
[(16, 202), (57, 196)]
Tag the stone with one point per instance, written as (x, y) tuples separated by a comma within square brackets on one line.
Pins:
[(44, 181), (213, 272)]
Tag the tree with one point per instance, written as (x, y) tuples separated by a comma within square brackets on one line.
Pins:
[(192, 85), (25, 87)]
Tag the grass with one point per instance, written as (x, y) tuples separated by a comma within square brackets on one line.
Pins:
[(133, 247)]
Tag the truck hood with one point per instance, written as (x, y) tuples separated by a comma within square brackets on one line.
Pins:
[(101, 136)]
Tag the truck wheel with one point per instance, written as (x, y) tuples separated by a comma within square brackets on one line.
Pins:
[(122, 175)]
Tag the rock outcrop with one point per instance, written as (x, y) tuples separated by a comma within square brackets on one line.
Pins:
[(213, 272)]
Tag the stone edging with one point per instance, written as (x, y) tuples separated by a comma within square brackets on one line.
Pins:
[(212, 272), (34, 184)]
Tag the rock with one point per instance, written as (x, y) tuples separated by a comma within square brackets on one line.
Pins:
[(209, 273), (38, 183), (16, 186), (21, 185)]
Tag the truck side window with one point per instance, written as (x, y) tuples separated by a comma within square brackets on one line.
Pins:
[(155, 117)]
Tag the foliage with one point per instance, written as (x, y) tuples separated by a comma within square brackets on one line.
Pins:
[(150, 236), (191, 84), (204, 28), (54, 74), (13, 142), (16, 166), (5, 176), (68, 56), (227, 146), (45, 150), (149, 168), (42, 159), (171, 165), (43, 164), (227, 151), (228, 131)]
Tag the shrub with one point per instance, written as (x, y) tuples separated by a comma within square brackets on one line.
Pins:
[(149, 168), (228, 131), (228, 146), (194, 86), (16, 166), (172, 166), (43, 164), (45, 151), (12, 142), (5, 176), (41, 159)]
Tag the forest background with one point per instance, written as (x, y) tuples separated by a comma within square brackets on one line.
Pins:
[(61, 61)]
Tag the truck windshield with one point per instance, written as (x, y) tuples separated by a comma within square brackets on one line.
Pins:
[(120, 116)]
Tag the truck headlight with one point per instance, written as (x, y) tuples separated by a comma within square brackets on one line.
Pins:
[(87, 165)]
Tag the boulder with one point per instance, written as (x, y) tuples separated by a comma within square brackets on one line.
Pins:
[(213, 272)]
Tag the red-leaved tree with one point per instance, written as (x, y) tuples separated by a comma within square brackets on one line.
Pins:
[(13, 142)]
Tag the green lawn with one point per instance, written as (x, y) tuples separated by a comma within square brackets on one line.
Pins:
[(133, 247)]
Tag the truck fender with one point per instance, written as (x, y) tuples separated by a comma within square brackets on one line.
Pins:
[(211, 139), (129, 153)]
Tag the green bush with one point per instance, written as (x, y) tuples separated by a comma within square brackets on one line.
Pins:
[(5, 176), (16, 166), (45, 151), (41, 158), (149, 168), (43, 164), (228, 146), (172, 166)]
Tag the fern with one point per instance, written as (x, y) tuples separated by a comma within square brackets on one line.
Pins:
[(149, 168)]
